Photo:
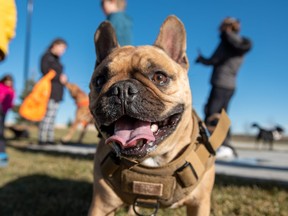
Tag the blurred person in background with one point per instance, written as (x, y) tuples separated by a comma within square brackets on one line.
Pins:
[(121, 22), (51, 61), (8, 19), (7, 95), (226, 61)]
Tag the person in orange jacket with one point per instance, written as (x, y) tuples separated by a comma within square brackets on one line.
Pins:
[(8, 14)]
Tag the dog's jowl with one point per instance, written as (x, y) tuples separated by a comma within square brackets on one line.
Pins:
[(154, 152)]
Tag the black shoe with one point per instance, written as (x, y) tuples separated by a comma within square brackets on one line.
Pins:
[(53, 143), (42, 143)]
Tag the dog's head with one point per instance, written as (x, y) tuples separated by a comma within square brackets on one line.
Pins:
[(74, 89), (279, 129), (140, 96)]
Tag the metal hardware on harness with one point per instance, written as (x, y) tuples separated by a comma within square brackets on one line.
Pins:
[(146, 203), (205, 140)]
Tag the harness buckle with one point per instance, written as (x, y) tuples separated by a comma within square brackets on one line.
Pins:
[(146, 203)]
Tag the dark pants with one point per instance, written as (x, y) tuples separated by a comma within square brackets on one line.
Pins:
[(2, 139), (219, 99)]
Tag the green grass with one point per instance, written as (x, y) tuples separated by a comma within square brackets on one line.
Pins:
[(44, 184)]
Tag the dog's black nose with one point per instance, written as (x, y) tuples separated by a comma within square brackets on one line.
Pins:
[(124, 90)]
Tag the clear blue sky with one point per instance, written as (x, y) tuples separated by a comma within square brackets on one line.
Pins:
[(262, 80)]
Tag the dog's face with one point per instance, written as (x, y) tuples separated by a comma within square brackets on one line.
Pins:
[(279, 129), (140, 96)]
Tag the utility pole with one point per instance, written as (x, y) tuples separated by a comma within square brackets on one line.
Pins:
[(28, 38)]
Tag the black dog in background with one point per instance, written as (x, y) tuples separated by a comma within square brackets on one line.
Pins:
[(268, 136)]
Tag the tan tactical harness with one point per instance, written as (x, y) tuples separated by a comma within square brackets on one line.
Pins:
[(153, 186)]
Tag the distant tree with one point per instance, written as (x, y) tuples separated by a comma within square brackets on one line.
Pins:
[(69, 122), (27, 89)]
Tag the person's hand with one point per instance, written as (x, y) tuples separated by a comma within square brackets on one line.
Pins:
[(197, 60), (63, 79)]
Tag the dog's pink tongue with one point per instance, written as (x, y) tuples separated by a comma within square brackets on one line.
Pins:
[(127, 132)]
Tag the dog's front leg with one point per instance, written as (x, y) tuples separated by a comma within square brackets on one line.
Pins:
[(72, 129), (105, 202), (82, 133), (199, 202)]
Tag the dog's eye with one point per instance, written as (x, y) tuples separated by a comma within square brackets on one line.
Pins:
[(159, 78), (99, 82)]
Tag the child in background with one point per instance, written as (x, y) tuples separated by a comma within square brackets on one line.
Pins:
[(7, 95), (122, 24)]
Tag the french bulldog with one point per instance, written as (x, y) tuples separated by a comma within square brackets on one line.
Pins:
[(141, 102)]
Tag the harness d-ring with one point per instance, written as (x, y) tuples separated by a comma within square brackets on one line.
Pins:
[(146, 203)]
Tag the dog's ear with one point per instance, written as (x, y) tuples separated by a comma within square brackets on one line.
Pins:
[(105, 40), (172, 39)]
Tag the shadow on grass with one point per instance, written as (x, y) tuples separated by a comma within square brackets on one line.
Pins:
[(43, 195)]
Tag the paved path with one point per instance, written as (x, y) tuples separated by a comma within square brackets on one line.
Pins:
[(264, 165), (251, 163), (76, 149)]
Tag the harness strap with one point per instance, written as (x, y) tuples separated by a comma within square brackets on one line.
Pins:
[(215, 140), (220, 131), (196, 160)]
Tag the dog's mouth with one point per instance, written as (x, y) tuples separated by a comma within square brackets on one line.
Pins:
[(135, 138)]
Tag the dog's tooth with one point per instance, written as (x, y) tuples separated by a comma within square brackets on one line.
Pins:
[(150, 143), (154, 128)]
